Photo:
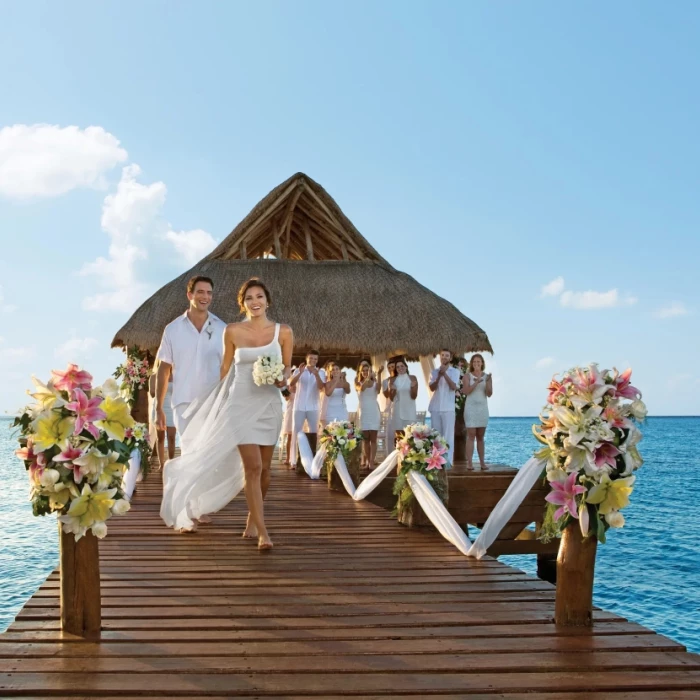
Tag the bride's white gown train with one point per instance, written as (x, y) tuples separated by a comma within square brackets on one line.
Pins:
[(236, 412)]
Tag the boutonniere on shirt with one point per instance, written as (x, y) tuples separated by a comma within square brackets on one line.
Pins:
[(209, 330)]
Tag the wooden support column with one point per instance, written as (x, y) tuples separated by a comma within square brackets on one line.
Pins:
[(276, 237), (309, 243), (344, 250), (575, 570), (81, 612), (244, 254)]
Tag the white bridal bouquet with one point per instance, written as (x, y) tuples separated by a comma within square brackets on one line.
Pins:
[(268, 369)]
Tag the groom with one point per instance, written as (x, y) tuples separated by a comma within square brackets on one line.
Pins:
[(191, 348)]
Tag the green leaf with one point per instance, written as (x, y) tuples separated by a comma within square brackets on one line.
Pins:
[(601, 530)]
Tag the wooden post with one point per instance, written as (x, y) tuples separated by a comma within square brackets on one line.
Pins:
[(335, 483), (309, 244), (412, 515), (81, 612), (575, 570), (460, 446)]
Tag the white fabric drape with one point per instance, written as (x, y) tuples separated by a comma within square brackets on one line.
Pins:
[(129, 479), (435, 509), (521, 485)]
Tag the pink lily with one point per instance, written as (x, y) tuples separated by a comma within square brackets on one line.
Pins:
[(590, 384), (614, 417), (623, 388), (66, 458), (564, 495), (605, 455), (404, 449), (436, 460), (87, 411), (72, 378), (27, 454)]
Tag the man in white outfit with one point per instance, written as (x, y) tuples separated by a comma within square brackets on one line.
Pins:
[(191, 348), (309, 381), (443, 383)]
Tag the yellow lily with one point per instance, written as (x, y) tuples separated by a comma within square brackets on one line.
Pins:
[(90, 508), (611, 495), (118, 418), (50, 429), (46, 396), (112, 468)]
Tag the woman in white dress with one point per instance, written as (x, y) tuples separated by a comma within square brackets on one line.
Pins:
[(336, 389), (369, 416), (477, 387), (234, 431), (403, 390), (389, 427)]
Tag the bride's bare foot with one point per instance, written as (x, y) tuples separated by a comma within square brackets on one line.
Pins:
[(203, 519), (187, 531), (250, 530), (264, 543)]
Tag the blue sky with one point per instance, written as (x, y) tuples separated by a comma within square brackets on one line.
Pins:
[(487, 149)]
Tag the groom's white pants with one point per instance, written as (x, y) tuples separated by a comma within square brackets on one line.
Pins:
[(444, 423), (181, 423), (298, 420)]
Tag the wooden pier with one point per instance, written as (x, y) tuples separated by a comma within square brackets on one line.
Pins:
[(349, 604)]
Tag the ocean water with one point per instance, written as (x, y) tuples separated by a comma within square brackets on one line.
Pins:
[(648, 572)]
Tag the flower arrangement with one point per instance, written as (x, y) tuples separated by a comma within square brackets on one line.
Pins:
[(134, 373), (340, 437), (136, 438), (74, 446), (268, 369), (424, 450), (590, 436)]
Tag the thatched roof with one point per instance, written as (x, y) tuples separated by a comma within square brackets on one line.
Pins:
[(327, 282)]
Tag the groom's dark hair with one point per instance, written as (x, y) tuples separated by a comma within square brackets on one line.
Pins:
[(192, 282)]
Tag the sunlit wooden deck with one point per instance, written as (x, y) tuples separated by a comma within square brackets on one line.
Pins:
[(348, 604)]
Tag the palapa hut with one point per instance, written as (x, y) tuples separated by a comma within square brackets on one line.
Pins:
[(323, 276)]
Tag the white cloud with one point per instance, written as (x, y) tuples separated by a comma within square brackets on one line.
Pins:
[(128, 217), (595, 300), (553, 288), (193, 245), (674, 309), (544, 363), (76, 349), (5, 308), (16, 356), (42, 160)]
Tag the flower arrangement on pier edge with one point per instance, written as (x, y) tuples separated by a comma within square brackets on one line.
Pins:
[(341, 437), (134, 373), (424, 450), (136, 438), (74, 445), (268, 369), (589, 429)]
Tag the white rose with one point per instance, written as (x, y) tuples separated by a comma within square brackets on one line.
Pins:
[(418, 444), (639, 409), (99, 530), (49, 478), (615, 518), (121, 506)]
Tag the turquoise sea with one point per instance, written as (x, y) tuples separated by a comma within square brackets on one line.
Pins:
[(648, 572)]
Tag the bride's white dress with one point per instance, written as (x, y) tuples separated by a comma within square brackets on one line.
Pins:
[(237, 412)]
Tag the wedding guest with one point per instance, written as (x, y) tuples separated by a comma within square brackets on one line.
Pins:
[(190, 351), (336, 389), (169, 422), (403, 390), (389, 428), (309, 381), (443, 383), (368, 385), (324, 397), (478, 387), (286, 441)]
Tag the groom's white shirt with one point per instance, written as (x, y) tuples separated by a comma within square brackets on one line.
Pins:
[(195, 357)]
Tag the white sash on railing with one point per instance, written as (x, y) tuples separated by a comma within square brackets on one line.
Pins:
[(429, 501)]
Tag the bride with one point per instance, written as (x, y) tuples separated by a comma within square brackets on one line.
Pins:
[(233, 431)]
